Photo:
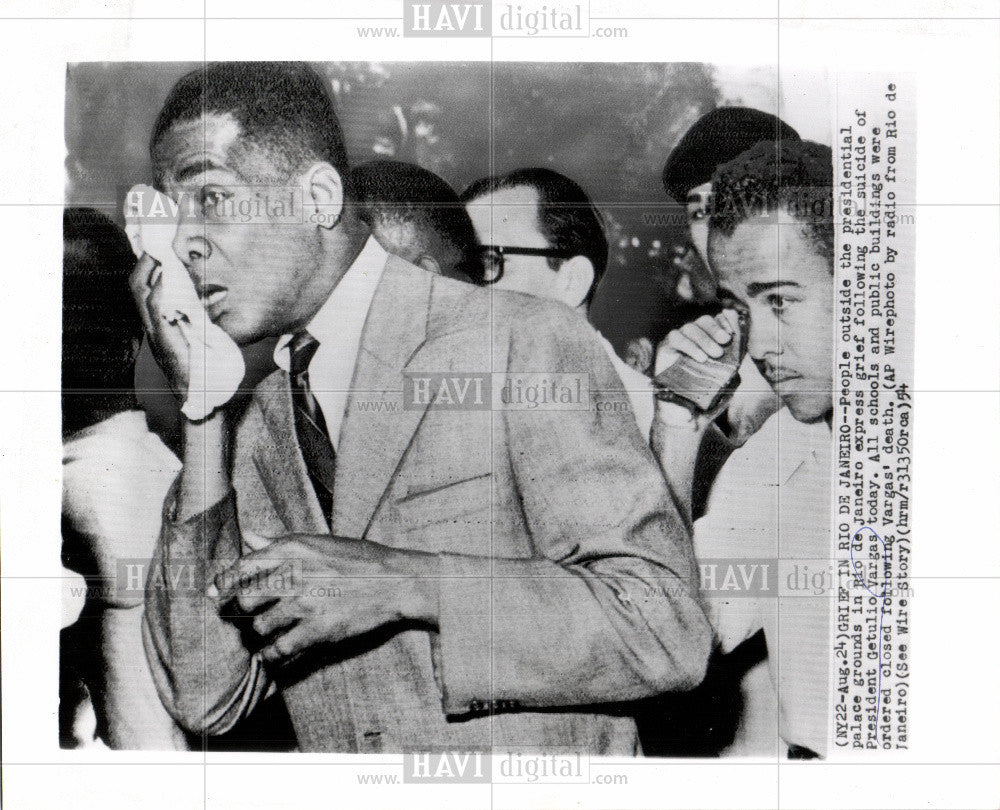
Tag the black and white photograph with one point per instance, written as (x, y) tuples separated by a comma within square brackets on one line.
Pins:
[(540, 352), (500, 405)]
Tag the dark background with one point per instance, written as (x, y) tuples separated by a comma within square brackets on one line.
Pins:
[(610, 127)]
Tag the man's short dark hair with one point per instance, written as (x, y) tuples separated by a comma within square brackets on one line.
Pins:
[(566, 216), (100, 322), (284, 108), (389, 191), (791, 176), (715, 138)]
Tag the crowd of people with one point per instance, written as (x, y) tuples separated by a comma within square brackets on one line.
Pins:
[(322, 564)]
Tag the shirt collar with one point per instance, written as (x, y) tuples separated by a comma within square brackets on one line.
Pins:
[(800, 442), (348, 304)]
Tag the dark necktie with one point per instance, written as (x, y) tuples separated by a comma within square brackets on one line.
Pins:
[(310, 426)]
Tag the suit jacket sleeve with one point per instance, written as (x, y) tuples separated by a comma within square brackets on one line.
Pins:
[(204, 674), (607, 609)]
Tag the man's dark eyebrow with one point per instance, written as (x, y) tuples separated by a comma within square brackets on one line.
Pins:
[(196, 168), (757, 287)]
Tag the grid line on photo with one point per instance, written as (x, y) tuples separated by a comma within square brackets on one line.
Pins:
[(622, 18), (206, 761)]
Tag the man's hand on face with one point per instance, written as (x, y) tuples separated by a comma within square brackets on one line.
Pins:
[(304, 590), (169, 346), (701, 339)]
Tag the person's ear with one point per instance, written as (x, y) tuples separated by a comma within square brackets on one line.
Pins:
[(429, 263), (574, 280), (323, 190)]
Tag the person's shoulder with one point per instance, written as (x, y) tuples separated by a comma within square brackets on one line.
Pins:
[(533, 316), (504, 311), (124, 436), (118, 458), (538, 309)]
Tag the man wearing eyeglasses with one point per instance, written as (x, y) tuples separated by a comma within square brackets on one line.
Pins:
[(540, 234)]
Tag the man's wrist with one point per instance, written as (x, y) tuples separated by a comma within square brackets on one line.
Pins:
[(205, 475), (675, 415)]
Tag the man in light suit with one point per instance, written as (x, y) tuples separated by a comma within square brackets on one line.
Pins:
[(441, 570)]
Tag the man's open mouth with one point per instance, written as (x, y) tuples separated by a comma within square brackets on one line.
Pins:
[(212, 294)]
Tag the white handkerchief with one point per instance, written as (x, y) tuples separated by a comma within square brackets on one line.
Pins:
[(216, 363)]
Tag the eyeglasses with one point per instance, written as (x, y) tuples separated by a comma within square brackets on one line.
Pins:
[(493, 259)]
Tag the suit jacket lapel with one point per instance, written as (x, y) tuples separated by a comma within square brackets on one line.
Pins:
[(279, 461), (399, 335), (378, 425)]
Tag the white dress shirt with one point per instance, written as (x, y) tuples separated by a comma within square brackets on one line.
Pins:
[(638, 387), (338, 326), (772, 501)]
